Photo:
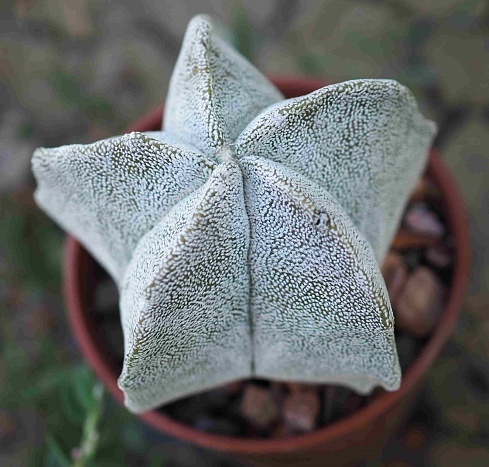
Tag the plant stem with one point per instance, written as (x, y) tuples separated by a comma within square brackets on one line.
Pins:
[(90, 436)]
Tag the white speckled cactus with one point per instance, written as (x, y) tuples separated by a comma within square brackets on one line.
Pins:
[(245, 237)]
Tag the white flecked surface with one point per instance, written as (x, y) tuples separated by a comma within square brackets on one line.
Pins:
[(246, 238)]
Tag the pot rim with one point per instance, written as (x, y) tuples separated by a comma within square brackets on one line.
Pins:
[(456, 218)]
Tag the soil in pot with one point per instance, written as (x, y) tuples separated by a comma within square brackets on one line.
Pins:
[(417, 272)]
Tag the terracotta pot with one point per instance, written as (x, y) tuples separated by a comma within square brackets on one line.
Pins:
[(360, 435)]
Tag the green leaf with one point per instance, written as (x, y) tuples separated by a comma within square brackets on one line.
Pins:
[(25, 131), (132, 436), (242, 31), (71, 405), (310, 64), (55, 453), (84, 385), (32, 245), (69, 90), (47, 382)]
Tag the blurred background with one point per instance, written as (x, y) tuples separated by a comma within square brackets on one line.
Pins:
[(74, 71)]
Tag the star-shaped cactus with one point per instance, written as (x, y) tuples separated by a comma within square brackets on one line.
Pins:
[(245, 238)]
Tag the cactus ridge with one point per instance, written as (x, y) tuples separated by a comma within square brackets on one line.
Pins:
[(246, 236)]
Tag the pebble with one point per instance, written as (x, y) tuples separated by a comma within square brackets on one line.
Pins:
[(440, 256), (7, 424), (420, 220), (258, 406), (277, 390), (232, 388), (420, 302), (301, 409), (406, 240), (395, 273), (298, 388), (415, 438)]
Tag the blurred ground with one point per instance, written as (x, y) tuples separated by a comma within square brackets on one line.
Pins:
[(80, 70)]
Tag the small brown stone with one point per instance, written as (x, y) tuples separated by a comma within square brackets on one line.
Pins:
[(7, 424), (297, 388), (415, 438), (420, 302), (395, 273), (258, 406), (420, 220), (301, 409), (232, 388), (405, 240), (440, 256), (293, 387)]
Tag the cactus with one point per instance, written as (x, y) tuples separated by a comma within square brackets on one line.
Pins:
[(246, 237)]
